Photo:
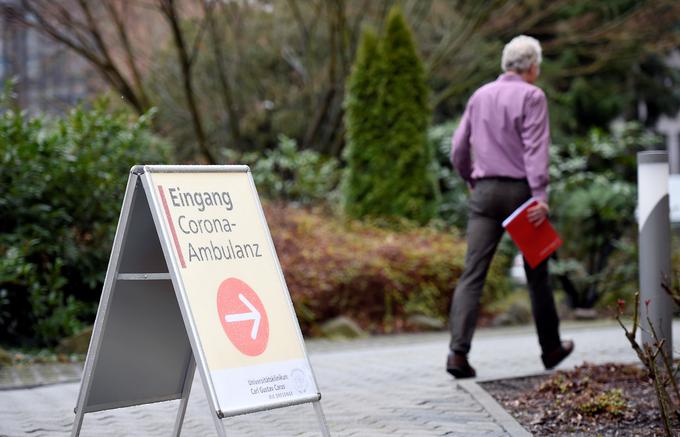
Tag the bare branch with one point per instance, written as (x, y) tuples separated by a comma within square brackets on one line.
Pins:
[(222, 75), (168, 9), (300, 22), (55, 21), (123, 35)]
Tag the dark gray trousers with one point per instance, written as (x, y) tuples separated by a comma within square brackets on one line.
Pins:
[(491, 202)]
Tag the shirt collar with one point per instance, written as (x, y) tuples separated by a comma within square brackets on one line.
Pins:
[(510, 77)]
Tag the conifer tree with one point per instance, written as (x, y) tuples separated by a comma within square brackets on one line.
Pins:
[(363, 125), (389, 161)]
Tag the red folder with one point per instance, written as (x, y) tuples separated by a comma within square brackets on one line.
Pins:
[(536, 242)]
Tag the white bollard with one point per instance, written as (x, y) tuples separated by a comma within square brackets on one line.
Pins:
[(654, 247)]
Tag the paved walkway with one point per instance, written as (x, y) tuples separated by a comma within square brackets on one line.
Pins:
[(380, 386)]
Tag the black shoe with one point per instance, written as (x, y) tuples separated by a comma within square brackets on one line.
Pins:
[(555, 357), (458, 366)]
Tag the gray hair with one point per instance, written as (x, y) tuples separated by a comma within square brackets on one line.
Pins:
[(521, 53)]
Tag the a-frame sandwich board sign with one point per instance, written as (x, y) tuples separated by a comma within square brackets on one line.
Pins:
[(194, 282)]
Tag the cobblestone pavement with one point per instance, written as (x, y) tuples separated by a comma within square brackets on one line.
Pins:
[(379, 386)]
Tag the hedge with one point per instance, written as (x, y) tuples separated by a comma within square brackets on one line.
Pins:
[(375, 276)]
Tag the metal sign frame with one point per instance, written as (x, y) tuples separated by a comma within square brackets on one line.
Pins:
[(143, 272)]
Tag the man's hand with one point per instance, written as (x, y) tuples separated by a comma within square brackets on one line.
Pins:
[(537, 214)]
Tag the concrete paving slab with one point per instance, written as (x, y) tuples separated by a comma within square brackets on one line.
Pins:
[(381, 386)]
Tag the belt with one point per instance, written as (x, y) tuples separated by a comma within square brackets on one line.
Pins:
[(502, 179)]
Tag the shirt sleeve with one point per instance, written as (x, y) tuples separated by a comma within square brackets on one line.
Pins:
[(460, 147), (536, 138)]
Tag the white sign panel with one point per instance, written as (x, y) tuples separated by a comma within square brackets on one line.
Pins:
[(232, 283)]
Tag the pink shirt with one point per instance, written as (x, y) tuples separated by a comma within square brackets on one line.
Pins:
[(504, 132)]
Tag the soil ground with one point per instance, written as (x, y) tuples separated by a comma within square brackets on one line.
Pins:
[(592, 400)]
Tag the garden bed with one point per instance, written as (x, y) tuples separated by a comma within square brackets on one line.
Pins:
[(591, 400)]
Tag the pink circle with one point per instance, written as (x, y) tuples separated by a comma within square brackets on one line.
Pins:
[(243, 317)]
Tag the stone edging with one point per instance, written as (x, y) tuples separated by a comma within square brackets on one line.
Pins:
[(495, 410), (38, 375)]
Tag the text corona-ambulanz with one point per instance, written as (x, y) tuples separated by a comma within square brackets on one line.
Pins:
[(224, 252)]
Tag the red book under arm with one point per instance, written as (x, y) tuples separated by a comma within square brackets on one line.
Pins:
[(536, 242)]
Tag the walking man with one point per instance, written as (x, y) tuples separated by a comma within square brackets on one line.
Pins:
[(501, 150)]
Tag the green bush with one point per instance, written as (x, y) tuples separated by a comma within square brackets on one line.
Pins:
[(376, 276), (593, 198), (453, 204), (288, 174), (390, 170), (63, 183)]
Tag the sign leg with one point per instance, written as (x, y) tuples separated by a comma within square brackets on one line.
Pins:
[(322, 419), (77, 423), (219, 426), (188, 380)]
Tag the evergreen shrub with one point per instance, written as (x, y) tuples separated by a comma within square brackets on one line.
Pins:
[(63, 182), (390, 169), (286, 173), (593, 197), (453, 205)]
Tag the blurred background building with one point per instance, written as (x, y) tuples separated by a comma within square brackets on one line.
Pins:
[(669, 127), (48, 77)]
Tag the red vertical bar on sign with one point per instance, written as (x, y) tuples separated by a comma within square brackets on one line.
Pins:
[(172, 226)]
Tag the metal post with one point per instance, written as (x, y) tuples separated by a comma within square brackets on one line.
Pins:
[(655, 247), (77, 423), (186, 391)]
